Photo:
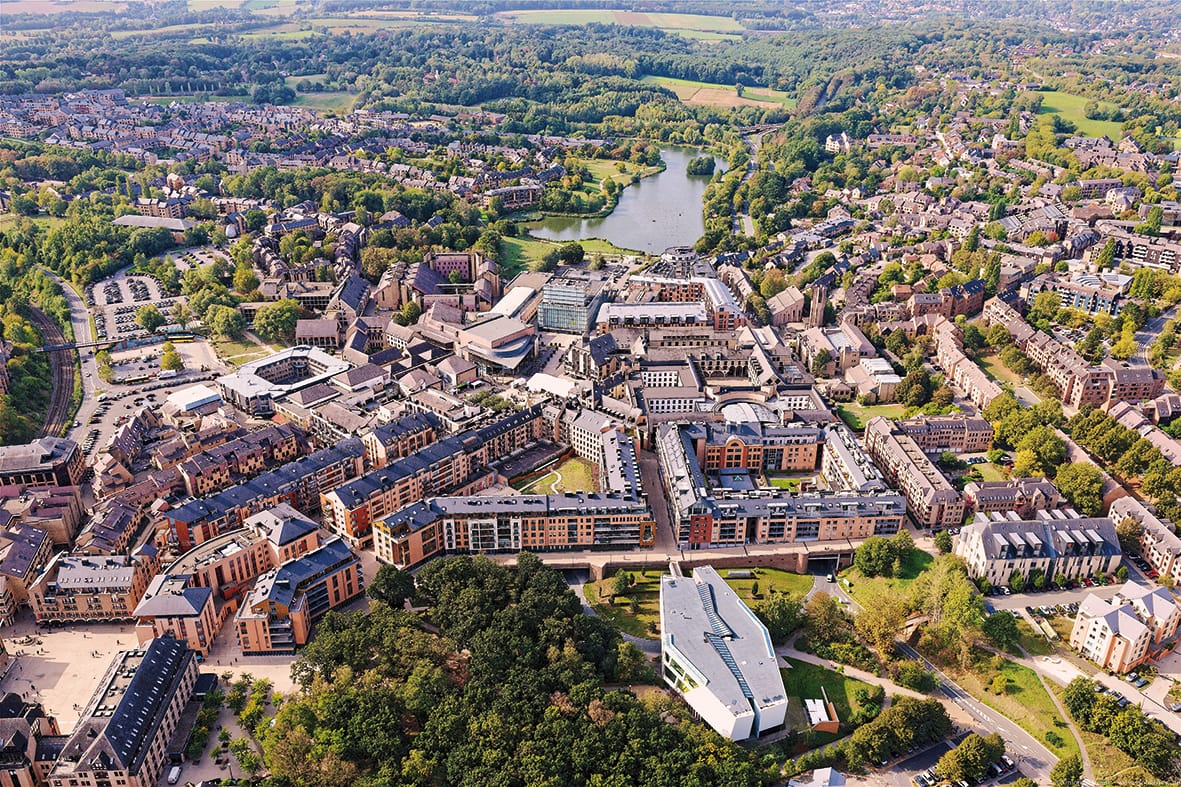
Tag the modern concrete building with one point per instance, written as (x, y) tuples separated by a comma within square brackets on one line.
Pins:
[(718, 656), (126, 726), (253, 386), (1119, 634), (570, 301), (1059, 542)]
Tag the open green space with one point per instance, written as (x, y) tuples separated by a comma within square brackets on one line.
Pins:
[(997, 371), (989, 472), (338, 101), (769, 580), (804, 681), (636, 613), (518, 253), (712, 94), (867, 589), (239, 351), (1032, 642), (1070, 107), (573, 475), (785, 483), (572, 16), (8, 220), (857, 415), (1025, 700)]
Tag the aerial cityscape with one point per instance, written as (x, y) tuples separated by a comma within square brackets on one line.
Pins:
[(530, 393)]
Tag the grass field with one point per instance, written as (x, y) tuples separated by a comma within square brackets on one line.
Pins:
[(337, 101), (992, 366), (769, 579), (1106, 760), (856, 415), (60, 6), (708, 94), (1070, 107), (867, 589), (8, 220), (804, 682), (573, 475), (699, 26), (1025, 701), (1032, 642), (645, 620), (238, 352), (989, 472), (519, 253)]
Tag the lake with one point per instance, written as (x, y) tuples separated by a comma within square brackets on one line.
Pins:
[(658, 212)]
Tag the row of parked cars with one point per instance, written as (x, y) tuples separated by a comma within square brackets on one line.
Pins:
[(928, 778), (1051, 610), (1143, 565)]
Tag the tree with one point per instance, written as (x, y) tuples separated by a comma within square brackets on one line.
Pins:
[(1046, 448), (181, 314), (915, 388), (1129, 530), (912, 675), (943, 541), (171, 361), (392, 586), (970, 760), (875, 557), (824, 621), (621, 583), (1082, 484), (820, 363), (782, 614), (879, 623), (572, 253), (149, 318), (1001, 628), (276, 321), (225, 321), (245, 280), (1067, 772), (1017, 582)]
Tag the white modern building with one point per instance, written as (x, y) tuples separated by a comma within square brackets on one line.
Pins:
[(719, 656)]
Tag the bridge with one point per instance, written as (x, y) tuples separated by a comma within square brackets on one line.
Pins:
[(118, 344)]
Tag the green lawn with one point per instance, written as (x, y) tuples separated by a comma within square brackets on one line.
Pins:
[(1025, 701), (691, 91), (992, 366), (785, 483), (866, 589), (237, 352), (519, 253), (1070, 107), (990, 472), (9, 220), (803, 681), (768, 579), (337, 101), (559, 17), (645, 620), (1032, 642), (573, 475), (856, 415)]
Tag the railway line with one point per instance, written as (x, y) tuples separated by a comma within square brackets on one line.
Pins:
[(62, 369)]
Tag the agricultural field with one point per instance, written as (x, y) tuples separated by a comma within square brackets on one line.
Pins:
[(61, 6), (1070, 107), (711, 28), (709, 94)]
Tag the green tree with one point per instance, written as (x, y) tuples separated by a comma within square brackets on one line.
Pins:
[(1082, 484), (943, 542), (1001, 628), (181, 314), (245, 280), (392, 586), (225, 321), (572, 253), (1067, 772), (171, 361), (875, 557), (149, 318), (879, 624), (276, 321), (782, 614), (820, 363)]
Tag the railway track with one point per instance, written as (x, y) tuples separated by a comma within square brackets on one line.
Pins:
[(62, 369)]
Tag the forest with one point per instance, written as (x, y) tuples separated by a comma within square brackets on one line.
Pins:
[(517, 687)]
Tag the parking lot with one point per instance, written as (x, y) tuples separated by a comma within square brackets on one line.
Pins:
[(115, 301)]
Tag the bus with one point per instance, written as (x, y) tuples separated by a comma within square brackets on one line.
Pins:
[(166, 374)]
